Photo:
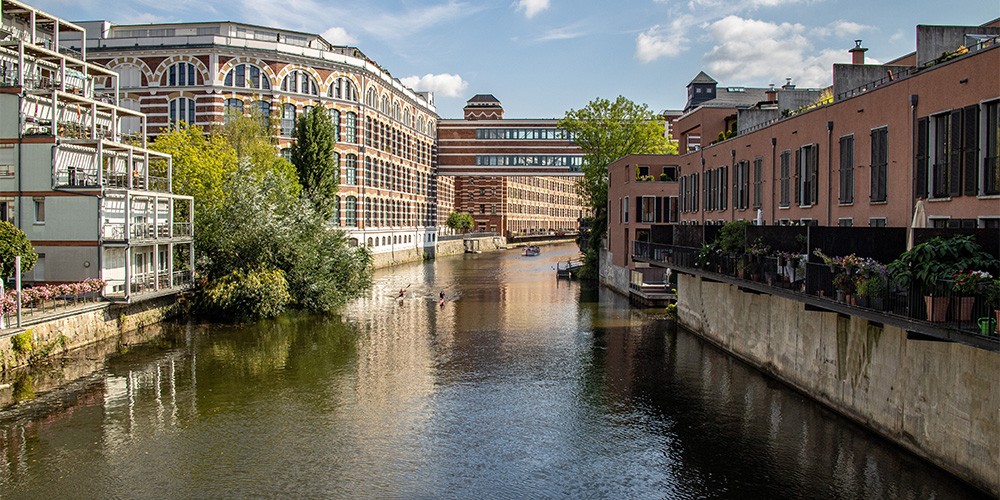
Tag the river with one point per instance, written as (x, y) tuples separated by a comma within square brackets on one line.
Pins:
[(519, 386)]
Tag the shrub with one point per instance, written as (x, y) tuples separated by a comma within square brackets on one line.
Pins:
[(248, 296)]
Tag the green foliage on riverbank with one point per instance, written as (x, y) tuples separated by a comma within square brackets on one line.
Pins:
[(14, 242), (607, 130), (261, 243)]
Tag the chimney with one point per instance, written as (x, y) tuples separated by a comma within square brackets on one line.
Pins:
[(858, 53), (772, 94), (788, 84)]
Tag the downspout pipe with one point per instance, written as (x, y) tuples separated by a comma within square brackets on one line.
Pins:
[(829, 173)]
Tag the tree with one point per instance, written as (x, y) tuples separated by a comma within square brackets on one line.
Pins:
[(460, 221), (313, 157), (14, 242), (606, 131)]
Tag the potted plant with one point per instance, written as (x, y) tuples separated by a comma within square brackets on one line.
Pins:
[(923, 266), (991, 294), (967, 284), (843, 281)]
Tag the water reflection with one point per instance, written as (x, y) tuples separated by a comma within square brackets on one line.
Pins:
[(519, 386)]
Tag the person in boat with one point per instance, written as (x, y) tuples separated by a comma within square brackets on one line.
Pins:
[(402, 293)]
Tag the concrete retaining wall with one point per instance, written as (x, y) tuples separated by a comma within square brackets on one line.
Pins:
[(939, 400), (455, 247), (86, 326), (612, 276)]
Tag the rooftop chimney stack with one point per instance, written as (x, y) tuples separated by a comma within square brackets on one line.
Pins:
[(858, 53), (772, 94), (788, 84)]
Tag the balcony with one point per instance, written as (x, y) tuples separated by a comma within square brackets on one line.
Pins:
[(110, 165), (948, 317), (72, 117)]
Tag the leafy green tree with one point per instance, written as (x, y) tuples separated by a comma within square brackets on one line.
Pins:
[(606, 131), (14, 242), (313, 157), (460, 221), (256, 227)]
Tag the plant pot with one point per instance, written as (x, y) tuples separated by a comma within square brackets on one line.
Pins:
[(987, 325), (964, 308), (937, 308), (877, 304), (863, 301), (840, 296)]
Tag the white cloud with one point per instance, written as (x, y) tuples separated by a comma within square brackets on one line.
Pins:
[(339, 36), (532, 7), (749, 50), (660, 41), (841, 29), (443, 84)]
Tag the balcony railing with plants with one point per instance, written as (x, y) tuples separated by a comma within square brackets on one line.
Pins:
[(948, 283)]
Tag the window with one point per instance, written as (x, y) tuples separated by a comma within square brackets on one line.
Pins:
[(247, 76), (351, 168), (807, 175), (287, 119), (758, 182), (264, 111), (879, 168), (286, 153), (336, 168), (352, 212), (625, 209), (785, 201), (351, 128), (741, 194), (845, 222), (233, 108), (877, 222), (181, 110), (129, 75), (39, 210), (343, 88), (847, 169), (335, 120), (130, 124), (300, 82), (647, 209), (180, 75), (991, 158), (954, 150)]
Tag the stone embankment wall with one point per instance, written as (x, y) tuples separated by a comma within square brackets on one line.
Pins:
[(939, 400), (86, 326), (612, 276), (455, 247)]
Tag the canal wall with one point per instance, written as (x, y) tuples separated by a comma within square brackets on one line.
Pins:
[(80, 327), (612, 276), (939, 400), (457, 246)]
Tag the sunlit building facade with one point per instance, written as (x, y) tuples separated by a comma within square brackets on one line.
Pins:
[(201, 73)]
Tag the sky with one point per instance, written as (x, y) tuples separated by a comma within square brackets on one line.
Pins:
[(542, 58)]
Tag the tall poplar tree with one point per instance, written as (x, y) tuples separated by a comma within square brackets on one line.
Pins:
[(314, 160), (606, 131)]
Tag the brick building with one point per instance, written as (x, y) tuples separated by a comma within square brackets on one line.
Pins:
[(200, 72), (514, 176)]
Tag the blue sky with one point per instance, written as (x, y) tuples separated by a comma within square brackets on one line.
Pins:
[(544, 57)]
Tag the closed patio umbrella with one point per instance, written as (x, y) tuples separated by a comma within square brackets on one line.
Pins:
[(919, 221)]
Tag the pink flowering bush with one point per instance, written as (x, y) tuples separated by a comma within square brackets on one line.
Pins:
[(36, 296)]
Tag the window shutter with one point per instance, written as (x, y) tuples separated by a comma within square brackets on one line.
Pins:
[(694, 191), (638, 209), (922, 125), (970, 149), (814, 174), (658, 207), (874, 167), (798, 168), (737, 182), (955, 154)]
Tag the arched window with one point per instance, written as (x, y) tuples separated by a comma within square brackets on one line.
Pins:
[(343, 88), (264, 112), (368, 170), (129, 75), (300, 82), (369, 241), (287, 119), (395, 111), (420, 125), (233, 108), (352, 212), (335, 120), (371, 97), (368, 212), (385, 105), (180, 74), (181, 109), (286, 153), (247, 76), (352, 170), (352, 128), (130, 124), (407, 118)]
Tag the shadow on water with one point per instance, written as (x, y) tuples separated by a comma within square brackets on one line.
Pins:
[(518, 386)]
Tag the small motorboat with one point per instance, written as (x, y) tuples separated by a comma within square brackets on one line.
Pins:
[(532, 250)]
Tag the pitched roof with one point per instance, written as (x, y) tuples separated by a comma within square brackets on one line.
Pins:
[(702, 77), (481, 99)]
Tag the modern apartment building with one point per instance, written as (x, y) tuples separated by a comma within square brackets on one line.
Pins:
[(514, 176), (200, 72), (75, 173)]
